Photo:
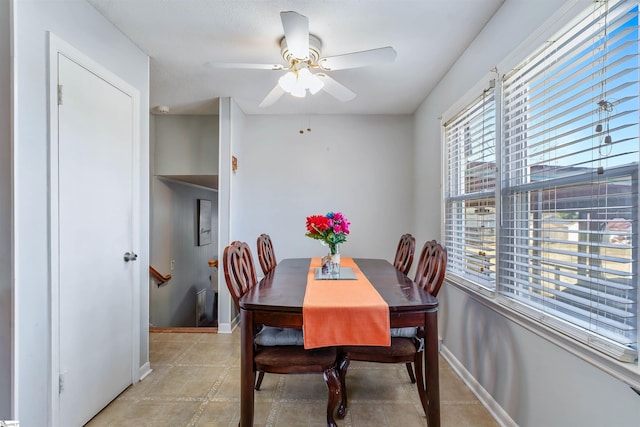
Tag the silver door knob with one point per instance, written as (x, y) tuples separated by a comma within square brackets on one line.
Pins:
[(130, 256)]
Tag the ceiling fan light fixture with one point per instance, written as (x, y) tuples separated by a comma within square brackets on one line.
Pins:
[(297, 81), (309, 81), (298, 92), (288, 82)]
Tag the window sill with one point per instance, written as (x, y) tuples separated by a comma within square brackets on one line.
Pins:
[(629, 373)]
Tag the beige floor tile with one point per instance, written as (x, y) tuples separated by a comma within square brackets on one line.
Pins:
[(140, 389), (466, 415), (218, 414), (229, 385), (262, 412), (297, 413), (303, 386), (145, 414), (381, 382), (164, 352), (453, 389), (186, 382), (208, 353), (221, 338), (196, 382), (366, 414)]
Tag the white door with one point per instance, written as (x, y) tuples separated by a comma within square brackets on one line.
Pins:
[(95, 203)]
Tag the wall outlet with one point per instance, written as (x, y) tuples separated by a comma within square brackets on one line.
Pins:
[(172, 264)]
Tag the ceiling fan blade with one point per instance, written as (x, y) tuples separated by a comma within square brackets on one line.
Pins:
[(272, 96), (364, 58), (335, 89), (296, 32), (236, 65)]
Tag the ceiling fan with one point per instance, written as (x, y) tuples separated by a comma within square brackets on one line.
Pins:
[(306, 68)]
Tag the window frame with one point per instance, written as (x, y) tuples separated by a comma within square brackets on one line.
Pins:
[(491, 298)]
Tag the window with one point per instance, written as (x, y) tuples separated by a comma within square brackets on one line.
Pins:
[(470, 223), (567, 252)]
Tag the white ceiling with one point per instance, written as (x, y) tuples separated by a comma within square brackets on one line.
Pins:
[(183, 36)]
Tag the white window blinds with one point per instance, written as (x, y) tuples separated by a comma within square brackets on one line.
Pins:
[(470, 214), (569, 202)]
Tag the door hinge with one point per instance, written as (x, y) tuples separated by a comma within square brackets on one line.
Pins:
[(59, 94), (60, 383)]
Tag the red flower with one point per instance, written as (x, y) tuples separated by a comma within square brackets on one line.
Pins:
[(317, 224)]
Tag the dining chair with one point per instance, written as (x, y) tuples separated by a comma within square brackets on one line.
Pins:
[(279, 350), (404, 253), (265, 253), (406, 343)]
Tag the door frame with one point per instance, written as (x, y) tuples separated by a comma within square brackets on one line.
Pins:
[(58, 46)]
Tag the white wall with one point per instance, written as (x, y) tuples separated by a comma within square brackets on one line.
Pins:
[(5, 212), (232, 125), (186, 145), (359, 165), (536, 382), (77, 23), (181, 145)]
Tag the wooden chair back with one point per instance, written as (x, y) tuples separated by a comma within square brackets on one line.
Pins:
[(239, 271), (404, 349), (431, 267), (265, 253), (240, 275), (404, 253)]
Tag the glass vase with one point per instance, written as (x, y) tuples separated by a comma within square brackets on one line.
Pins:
[(334, 261)]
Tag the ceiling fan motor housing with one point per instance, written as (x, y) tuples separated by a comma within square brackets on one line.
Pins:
[(314, 52)]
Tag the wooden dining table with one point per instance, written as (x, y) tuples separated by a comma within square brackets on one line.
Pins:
[(278, 301)]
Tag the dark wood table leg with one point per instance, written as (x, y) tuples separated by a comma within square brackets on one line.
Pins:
[(333, 384), (432, 381), (343, 365), (246, 369)]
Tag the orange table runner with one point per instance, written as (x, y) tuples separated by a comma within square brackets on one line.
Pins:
[(343, 312)]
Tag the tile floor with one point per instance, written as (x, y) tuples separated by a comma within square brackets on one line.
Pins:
[(196, 382)]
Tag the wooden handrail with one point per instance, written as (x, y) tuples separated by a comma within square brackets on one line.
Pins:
[(159, 277), (213, 263)]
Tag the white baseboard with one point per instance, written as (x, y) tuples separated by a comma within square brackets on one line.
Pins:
[(227, 328), (483, 396), (145, 370), (224, 328)]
